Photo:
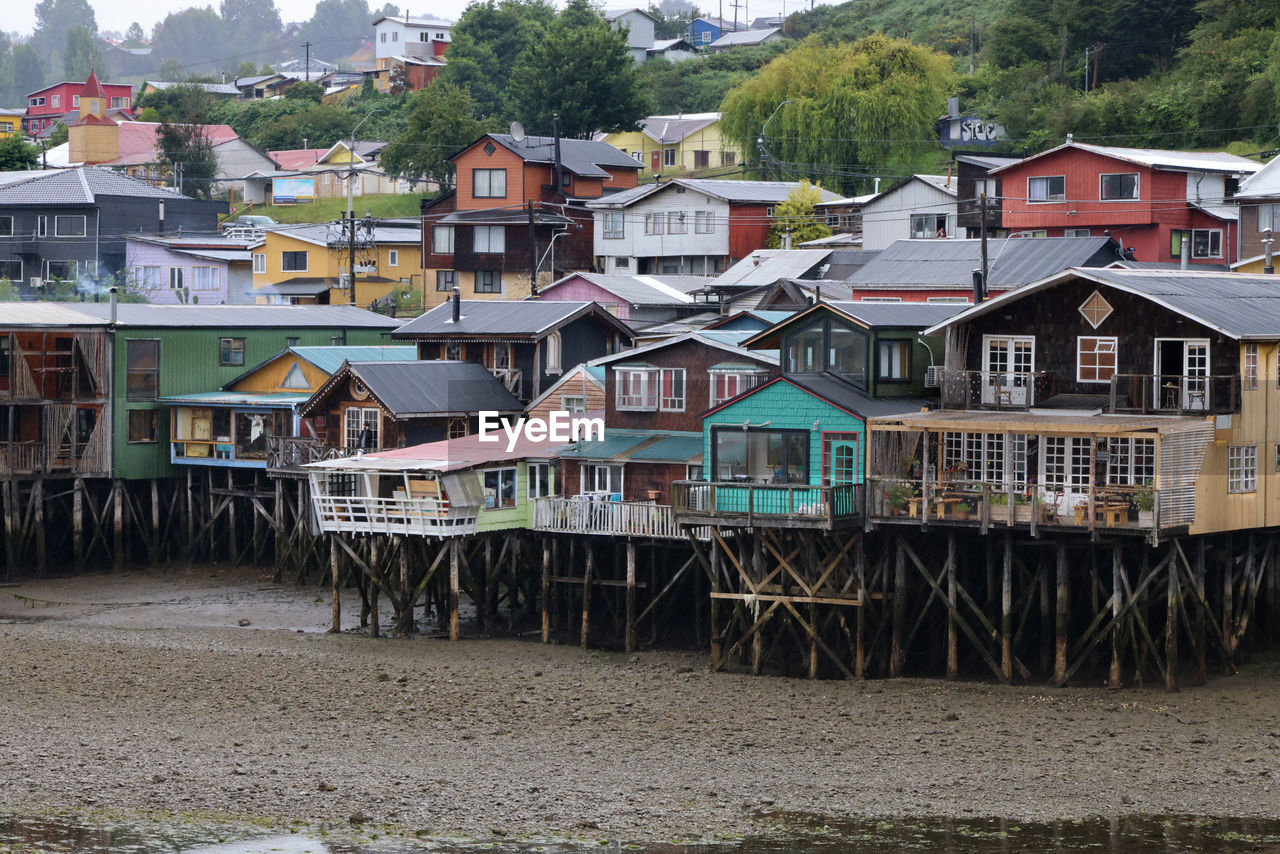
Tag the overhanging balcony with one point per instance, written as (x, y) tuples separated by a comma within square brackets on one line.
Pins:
[(788, 505)]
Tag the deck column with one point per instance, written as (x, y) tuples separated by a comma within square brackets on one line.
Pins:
[(1063, 614), (454, 629), (630, 643)]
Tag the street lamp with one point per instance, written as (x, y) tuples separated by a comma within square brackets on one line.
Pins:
[(764, 155), (350, 220)]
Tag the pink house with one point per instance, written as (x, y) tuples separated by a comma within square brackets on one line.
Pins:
[(635, 299)]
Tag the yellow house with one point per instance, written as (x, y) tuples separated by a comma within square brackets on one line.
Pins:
[(678, 145), (308, 264), (333, 168), (10, 122)]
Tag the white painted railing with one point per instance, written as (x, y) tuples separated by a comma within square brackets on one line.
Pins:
[(582, 515), (425, 517)]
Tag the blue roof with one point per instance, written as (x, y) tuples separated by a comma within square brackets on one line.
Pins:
[(329, 359), (597, 372)]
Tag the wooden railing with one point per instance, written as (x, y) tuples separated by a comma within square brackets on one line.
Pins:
[(426, 517), (1167, 394), (1017, 390), (291, 453), (22, 458), (765, 504), (583, 514), (985, 504)]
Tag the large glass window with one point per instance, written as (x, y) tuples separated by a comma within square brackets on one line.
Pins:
[(828, 346), (761, 456), (142, 369), (68, 226), (442, 240), (636, 388), (251, 435), (539, 480), (490, 239), (673, 389), (1048, 188), (804, 351), (293, 262), (356, 420), (614, 225), (204, 278)]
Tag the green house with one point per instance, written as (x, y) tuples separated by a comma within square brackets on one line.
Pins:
[(163, 351)]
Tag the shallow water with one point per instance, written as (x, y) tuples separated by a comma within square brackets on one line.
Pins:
[(778, 832)]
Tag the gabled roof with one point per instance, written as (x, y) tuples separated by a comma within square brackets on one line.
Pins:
[(211, 88), (745, 37), (582, 157), (742, 192), (869, 315), (663, 45), (330, 359), (836, 392), (672, 129), (717, 342), (579, 374), (842, 264), (77, 186), (319, 233), (1154, 158), (419, 389), (766, 266), (722, 24), (1238, 305), (529, 320), (409, 21), (929, 264), (615, 14), (1263, 184), (942, 183), (639, 290), (92, 87), (986, 161)]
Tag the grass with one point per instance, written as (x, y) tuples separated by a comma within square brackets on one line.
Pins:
[(326, 210)]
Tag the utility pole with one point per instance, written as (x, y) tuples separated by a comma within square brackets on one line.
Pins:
[(982, 212), (533, 254), (307, 70)]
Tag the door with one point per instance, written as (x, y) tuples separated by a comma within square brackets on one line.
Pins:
[(655, 162), (1008, 362), (1064, 472), (842, 460), (1182, 374)]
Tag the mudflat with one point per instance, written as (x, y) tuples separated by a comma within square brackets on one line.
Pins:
[(142, 691)]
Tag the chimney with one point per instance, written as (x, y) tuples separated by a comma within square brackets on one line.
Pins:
[(559, 170), (113, 305), (1185, 260), (457, 304), (979, 288), (1267, 267)]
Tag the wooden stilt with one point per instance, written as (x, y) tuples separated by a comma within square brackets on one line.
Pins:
[(896, 654), (586, 593), (37, 503), (153, 552), (118, 525), (1171, 630), (1117, 633), (630, 631), (544, 592), (77, 524), (1202, 661), (1006, 608), (336, 578), (717, 638), (1063, 614), (953, 655), (1228, 607), (8, 490), (454, 628), (860, 619)]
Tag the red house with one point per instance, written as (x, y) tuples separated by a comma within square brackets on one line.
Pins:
[(1147, 199), (61, 103), (509, 216)]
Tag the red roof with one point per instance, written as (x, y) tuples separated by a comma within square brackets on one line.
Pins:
[(92, 88), (297, 158), (138, 141)]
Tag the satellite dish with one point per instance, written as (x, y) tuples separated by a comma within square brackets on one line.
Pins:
[(517, 132)]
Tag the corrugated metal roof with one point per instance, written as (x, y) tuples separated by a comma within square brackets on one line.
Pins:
[(915, 315), (766, 266), (47, 314), (843, 263), (743, 192), (639, 290), (530, 319), (672, 129), (321, 233), (274, 399), (580, 156), (1155, 158), (673, 446), (1012, 261), (746, 37), (310, 316), (1263, 184), (329, 359), (417, 388), (77, 186), (844, 395), (986, 161)]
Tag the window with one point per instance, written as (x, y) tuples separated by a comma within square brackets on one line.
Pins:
[(928, 225), (893, 361), (395, 36), (552, 354), (1131, 462), (120, 103), (1095, 359), (1242, 468), (676, 222), (1268, 216), (446, 279), (668, 157), (291, 341), (142, 369), (231, 352), (701, 159), (88, 268), (57, 101), (453, 351), (354, 421), (489, 183), (293, 262), (672, 399), (728, 158), (68, 226), (622, 263), (1075, 232), (704, 222), (63, 270), (142, 426), (500, 488), (760, 456), (6, 226), (1205, 242), (75, 100), (637, 389), (572, 403), (601, 477), (653, 223), (146, 277), (539, 480), (1052, 188), (204, 278), (730, 384), (11, 270), (490, 238), (442, 240), (614, 225), (457, 428), (393, 257), (488, 282), (259, 262), (1116, 187), (1249, 373), (338, 340), (42, 226), (828, 346), (638, 156), (176, 275), (384, 38)]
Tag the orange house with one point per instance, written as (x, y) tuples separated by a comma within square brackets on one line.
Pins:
[(478, 237)]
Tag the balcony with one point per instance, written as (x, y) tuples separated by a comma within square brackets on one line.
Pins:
[(1001, 390), (291, 453), (1164, 394), (1109, 508), (426, 517), (585, 514), (767, 505)]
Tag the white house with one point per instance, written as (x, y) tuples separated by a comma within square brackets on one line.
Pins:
[(918, 206), (405, 36), (747, 38), (686, 226), (640, 34)]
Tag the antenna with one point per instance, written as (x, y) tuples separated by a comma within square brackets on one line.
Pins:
[(517, 132)]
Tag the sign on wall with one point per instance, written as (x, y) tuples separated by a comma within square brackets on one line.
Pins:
[(293, 191)]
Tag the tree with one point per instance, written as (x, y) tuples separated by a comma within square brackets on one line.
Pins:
[(187, 155), (338, 27), (194, 38), (485, 41), (28, 69), (1016, 40), (59, 134), (183, 104), (81, 55), (134, 35), (582, 69), (844, 110), (54, 20), (305, 90), (797, 215), (251, 24), (443, 120), (246, 69), (319, 126), (16, 154)]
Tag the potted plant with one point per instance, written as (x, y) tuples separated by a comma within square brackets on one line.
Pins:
[(898, 495), (963, 510), (1144, 498)]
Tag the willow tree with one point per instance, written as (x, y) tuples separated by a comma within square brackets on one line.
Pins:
[(841, 112)]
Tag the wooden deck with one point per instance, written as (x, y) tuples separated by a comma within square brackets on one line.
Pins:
[(582, 515), (748, 505)]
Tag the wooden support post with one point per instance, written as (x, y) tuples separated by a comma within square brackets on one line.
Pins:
[(717, 639), (8, 491), (1171, 630), (896, 654), (864, 602), (1063, 615), (630, 631), (153, 553), (405, 625), (586, 593), (1006, 606), (1202, 653), (544, 591), (1046, 612), (374, 585), (117, 495), (1117, 635), (77, 524), (37, 501), (454, 629), (233, 543), (1228, 606), (953, 654), (336, 579)]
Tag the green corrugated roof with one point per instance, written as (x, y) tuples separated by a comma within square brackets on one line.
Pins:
[(647, 445), (596, 371), (675, 449), (329, 359)]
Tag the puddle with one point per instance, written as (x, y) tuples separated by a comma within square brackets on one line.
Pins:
[(780, 832)]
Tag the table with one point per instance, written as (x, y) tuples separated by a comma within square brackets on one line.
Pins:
[(947, 506)]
